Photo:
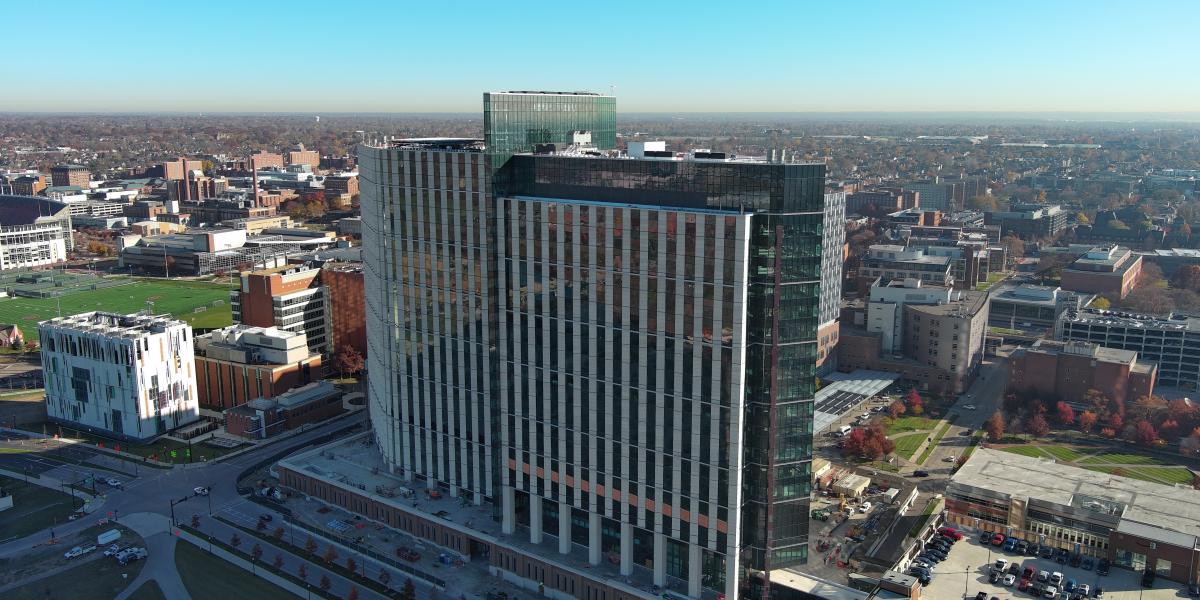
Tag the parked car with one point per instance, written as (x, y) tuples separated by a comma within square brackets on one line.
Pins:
[(1102, 567), (1000, 566), (1098, 593), (997, 539), (981, 596), (131, 554), (112, 550), (985, 537), (78, 551), (865, 508), (1069, 586), (1061, 556), (1009, 580), (993, 577), (113, 482), (1043, 576), (200, 490), (1010, 545), (920, 473), (1050, 592), (1193, 590), (1024, 585), (1047, 552), (1014, 569), (1022, 547), (1076, 560), (1028, 573), (1088, 564), (951, 533), (1084, 589), (1033, 550), (1056, 578)]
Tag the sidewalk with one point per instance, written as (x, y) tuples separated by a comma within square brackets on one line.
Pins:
[(58, 485)]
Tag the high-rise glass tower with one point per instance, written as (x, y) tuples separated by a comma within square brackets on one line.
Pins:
[(618, 353)]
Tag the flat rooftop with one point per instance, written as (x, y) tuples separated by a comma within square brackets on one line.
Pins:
[(1095, 316), (355, 464), (109, 323), (967, 303), (1157, 511)]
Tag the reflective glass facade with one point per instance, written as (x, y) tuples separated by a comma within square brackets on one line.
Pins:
[(776, 367), (514, 121)]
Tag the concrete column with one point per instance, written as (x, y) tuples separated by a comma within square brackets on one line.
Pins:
[(626, 549), (564, 528), (453, 491), (695, 570), (595, 537), (508, 510), (535, 519), (660, 559)]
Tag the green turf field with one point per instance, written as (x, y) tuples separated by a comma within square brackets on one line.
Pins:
[(179, 298)]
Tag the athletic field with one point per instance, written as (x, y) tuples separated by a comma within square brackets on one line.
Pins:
[(179, 298)]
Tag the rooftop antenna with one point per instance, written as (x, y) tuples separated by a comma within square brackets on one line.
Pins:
[(612, 90)]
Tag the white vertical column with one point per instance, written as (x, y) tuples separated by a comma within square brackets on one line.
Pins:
[(695, 570), (660, 559), (626, 548), (535, 519), (564, 528), (508, 509), (594, 538)]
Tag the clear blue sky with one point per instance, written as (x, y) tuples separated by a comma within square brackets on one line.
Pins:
[(736, 55)]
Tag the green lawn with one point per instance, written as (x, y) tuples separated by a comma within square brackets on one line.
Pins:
[(148, 591), (1120, 459), (906, 445), (207, 577), (1061, 453), (179, 298), (991, 280), (904, 424), (98, 579), (34, 508), (937, 439)]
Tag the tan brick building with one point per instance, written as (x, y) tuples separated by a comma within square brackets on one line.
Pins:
[(1111, 270)]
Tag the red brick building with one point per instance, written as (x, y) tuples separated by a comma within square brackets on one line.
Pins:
[(264, 417), (1111, 270), (347, 304), (237, 364), (79, 175), (1069, 369), (288, 297)]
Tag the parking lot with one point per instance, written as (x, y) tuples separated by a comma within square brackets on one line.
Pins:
[(965, 571)]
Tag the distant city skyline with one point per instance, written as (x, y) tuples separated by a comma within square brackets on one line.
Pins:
[(1023, 56)]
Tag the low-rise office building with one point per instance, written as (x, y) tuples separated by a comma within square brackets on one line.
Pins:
[(127, 376), (1111, 270), (1134, 524), (1030, 221), (890, 262), (240, 363), (1068, 370), (1032, 307), (34, 232), (262, 418), (1172, 342)]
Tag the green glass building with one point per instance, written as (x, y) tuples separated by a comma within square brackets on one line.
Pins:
[(515, 121)]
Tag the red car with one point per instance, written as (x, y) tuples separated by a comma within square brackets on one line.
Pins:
[(998, 539), (950, 532), (1024, 585)]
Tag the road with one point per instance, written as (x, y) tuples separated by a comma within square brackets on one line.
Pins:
[(154, 490)]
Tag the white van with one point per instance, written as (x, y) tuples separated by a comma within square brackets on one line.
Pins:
[(844, 431)]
